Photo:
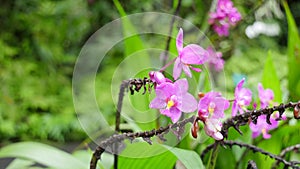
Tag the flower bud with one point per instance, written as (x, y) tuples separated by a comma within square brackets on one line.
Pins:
[(200, 95), (157, 77), (296, 112), (195, 129)]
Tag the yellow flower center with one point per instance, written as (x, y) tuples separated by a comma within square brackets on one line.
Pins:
[(211, 107), (264, 131), (170, 104)]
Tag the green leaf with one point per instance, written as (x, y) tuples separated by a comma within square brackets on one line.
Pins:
[(270, 79), (43, 154), (143, 155), (293, 55), (19, 163), (190, 159)]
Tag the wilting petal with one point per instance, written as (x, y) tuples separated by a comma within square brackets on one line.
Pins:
[(193, 54), (217, 136), (179, 41), (177, 68)]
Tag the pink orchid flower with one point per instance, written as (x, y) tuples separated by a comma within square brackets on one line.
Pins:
[(266, 96), (211, 109), (226, 15), (262, 127), (243, 98), (215, 59), (212, 105), (212, 127), (191, 54), (173, 98)]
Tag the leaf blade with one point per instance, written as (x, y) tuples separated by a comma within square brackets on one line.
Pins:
[(43, 154)]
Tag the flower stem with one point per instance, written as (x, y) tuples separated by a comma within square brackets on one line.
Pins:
[(167, 65), (213, 156)]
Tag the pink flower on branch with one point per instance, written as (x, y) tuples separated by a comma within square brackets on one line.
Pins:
[(158, 78), (215, 59), (173, 98), (262, 127), (212, 105), (242, 98), (212, 127), (211, 108), (265, 96), (226, 15), (191, 54)]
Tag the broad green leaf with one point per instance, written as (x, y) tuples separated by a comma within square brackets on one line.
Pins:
[(270, 79), (43, 154), (143, 155), (293, 55), (19, 163), (190, 159)]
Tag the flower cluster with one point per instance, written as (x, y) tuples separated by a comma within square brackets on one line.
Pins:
[(215, 59), (172, 97), (225, 15), (242, 98), (211, 109), (261, 127)]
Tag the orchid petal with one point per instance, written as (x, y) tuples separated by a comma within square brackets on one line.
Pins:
[(158, 103), (177, 68), (181, 86), (175, 114), (187, 70), (179, 41), (193, 54), (234, 109), (239, 86), (217, 136), (196, 69), (188, 104)]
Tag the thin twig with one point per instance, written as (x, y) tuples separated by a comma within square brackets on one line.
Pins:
[(258, 141), (231, 143), (243, 119), (123, 86), (176, 12), (207, 149), (146, 135), (213, 156), (284, 152)]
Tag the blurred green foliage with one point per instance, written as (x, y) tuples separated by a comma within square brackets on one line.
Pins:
[(39, 43)]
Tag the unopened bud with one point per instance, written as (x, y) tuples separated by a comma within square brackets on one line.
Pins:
[(296, 112), (195, 129), (200, 95)]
